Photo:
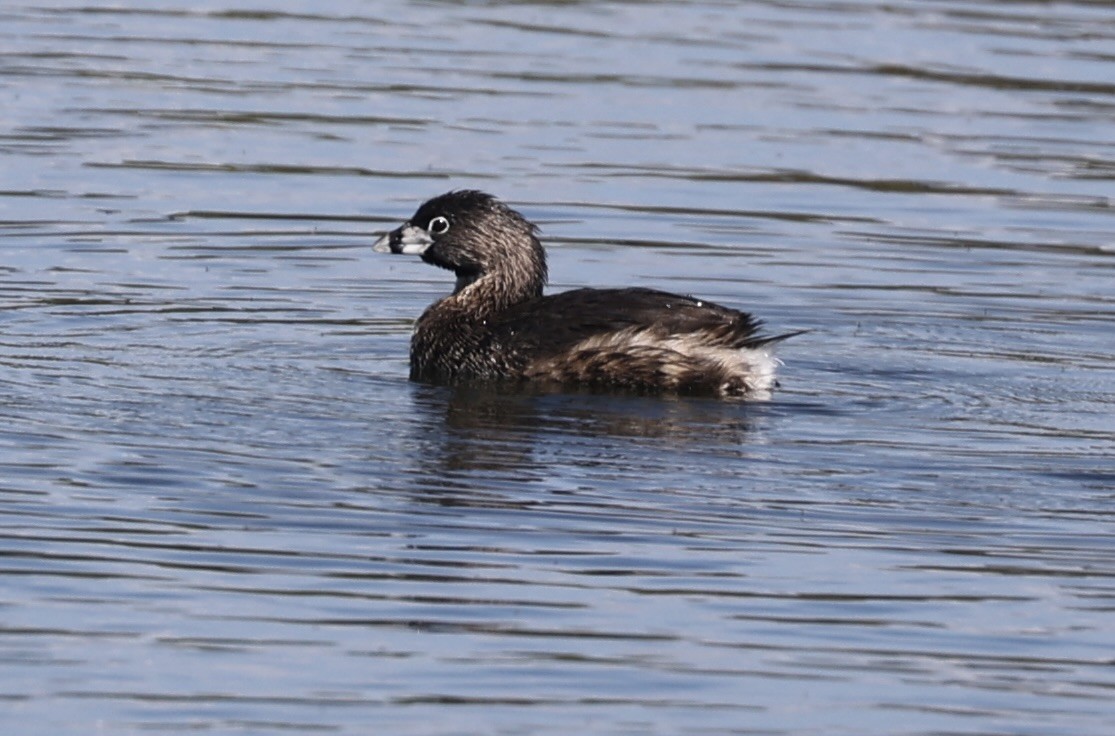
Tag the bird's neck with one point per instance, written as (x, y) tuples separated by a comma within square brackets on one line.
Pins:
[(455, 330), (486, 293)]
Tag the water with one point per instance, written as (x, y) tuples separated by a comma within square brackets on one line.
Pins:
[(224, 509)]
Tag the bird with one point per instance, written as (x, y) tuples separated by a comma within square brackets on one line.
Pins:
[(498, 327)]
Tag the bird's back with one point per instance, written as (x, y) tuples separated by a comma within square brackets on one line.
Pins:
[(636, 339)]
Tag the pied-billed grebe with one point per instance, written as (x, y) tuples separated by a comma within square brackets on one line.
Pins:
[(497, 325)]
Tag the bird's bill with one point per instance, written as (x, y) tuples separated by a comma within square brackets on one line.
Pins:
[(408, 239)]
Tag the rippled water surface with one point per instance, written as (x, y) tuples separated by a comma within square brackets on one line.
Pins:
[(223, 508)]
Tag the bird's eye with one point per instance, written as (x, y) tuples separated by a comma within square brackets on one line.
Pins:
[(437, 226)]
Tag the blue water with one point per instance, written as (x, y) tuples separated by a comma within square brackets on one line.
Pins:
[(223, 507)]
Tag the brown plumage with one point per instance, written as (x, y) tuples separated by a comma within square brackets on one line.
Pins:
[(497, 325)]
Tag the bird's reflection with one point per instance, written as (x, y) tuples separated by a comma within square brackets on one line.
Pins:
[(481, 443)]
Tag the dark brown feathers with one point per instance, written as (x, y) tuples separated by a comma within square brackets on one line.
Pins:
[(497, 326)]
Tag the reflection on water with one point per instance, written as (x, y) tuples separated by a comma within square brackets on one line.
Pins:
[(224, 508), (475, 435)]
